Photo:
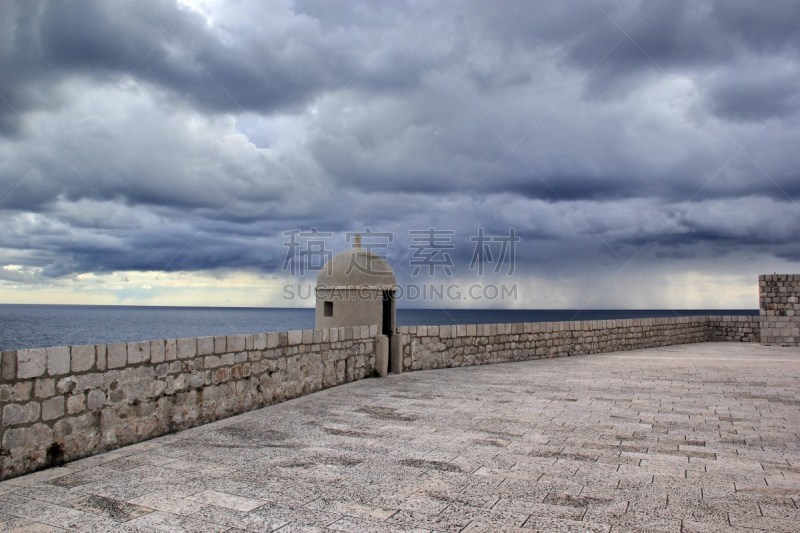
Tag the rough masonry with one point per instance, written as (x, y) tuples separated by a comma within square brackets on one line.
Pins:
[(779, 303), (67, 402)]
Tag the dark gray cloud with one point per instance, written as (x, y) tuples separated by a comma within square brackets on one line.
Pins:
[(156, 135)]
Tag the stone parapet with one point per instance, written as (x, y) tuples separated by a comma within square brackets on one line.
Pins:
[(735, 328), (429, 347), (62, 403)]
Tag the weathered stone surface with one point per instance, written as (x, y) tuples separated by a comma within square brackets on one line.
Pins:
[(52, 408), (44, 388), (31, 363), (170, 349), (101, 356), (82, 357), (138, 352), (157, 351), (58, 360), (9, 364), (14, 414), (778, 297), (235, 343), (95, 399), (294, 337), (205, 345), (187, 348), (117, 355), (76, 403)]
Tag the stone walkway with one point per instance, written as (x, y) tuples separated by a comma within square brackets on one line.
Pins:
[(699, 437)]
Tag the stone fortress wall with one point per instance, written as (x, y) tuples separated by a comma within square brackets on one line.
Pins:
[(66, 402), (428, 347), (779, 302), (62, 403)]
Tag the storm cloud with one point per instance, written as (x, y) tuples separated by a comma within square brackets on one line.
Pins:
[(619, 138)]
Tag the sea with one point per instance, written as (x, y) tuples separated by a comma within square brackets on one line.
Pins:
[(38, 326)]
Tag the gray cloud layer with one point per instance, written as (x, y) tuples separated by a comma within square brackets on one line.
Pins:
[(145, 135)]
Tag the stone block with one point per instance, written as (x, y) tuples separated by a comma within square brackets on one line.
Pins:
[(53, 408), (138, 352), (157, 351), (100, 353), (170, 349), (95, 399), (26, 438), (260, 341), (295, 337), (220, 344), (76, 403), (58, 360), (236, 343), (187, 348), (82, 357), (14, 414), (9, 364), (273, 340), (308, 336), (117, 355), (212, 361), (31, 363), (205, 345), (44, 388)]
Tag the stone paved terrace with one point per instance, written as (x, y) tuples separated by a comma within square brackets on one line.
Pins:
[(700, 437)]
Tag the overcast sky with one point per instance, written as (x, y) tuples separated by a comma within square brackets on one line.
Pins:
[(156, 152)]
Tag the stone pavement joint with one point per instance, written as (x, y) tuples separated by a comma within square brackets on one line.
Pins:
[(701, 437)]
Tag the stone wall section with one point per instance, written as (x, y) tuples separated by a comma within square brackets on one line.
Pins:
[(735, 328), (428, 347), (779, 303), (62, 403)]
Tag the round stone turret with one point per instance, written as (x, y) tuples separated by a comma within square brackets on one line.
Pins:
[(356, 288)]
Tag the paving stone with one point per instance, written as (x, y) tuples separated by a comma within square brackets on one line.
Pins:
[(114, 509), (238, 519), (230, 501), (547, 525), (168, 522), (14, 524)]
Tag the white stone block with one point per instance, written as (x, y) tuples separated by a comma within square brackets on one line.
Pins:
[(205, 345), (31, 363), (117, 355), (58, 360), (82, 357), (187, 348), (295, 337)]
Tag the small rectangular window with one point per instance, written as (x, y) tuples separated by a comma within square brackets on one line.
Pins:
[(328, 309)]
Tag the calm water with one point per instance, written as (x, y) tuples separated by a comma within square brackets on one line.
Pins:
[(35, 326)]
